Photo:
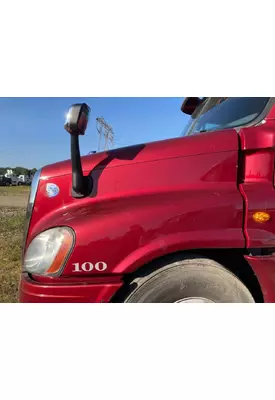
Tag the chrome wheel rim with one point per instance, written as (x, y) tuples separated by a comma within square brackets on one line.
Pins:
[(194, 300)]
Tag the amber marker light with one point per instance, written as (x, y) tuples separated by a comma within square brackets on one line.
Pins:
[(58, 262), (261, 217)]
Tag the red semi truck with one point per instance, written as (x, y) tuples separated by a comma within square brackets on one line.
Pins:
[(190, 219)]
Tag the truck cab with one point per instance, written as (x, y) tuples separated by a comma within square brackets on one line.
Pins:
[(189, 219), (5, 181), (24, 180)]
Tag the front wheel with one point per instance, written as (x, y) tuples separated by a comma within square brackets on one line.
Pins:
[(192, 280)]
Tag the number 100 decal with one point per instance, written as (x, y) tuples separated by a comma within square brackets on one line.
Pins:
[(88, 267)]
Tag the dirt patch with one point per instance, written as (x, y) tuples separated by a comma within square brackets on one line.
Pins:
[(13, 201), (14, 196)]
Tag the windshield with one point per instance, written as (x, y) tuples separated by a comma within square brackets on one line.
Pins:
[(217, 113)]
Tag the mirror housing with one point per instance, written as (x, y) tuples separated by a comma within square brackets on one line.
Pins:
[(76, 124), (77, 119), (190, 104)]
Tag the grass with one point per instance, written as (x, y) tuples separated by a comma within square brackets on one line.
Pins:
[(11, 231), (12, 213)]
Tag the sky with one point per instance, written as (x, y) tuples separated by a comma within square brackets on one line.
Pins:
[(32, 129)]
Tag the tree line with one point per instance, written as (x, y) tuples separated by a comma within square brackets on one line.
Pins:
[(18, 171)]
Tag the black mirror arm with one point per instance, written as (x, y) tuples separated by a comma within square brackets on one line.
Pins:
[(81, 185)]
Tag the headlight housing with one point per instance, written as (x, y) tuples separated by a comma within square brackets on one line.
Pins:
[(49, 251)]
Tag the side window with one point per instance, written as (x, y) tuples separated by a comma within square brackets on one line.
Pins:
[(227, 112), (207, 126)]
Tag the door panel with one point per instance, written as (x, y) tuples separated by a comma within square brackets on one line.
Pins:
[(257, 182)]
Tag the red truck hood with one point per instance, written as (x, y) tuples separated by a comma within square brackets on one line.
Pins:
[(171, 148)]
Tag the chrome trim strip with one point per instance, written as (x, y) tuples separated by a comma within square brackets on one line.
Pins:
[(32, 196)]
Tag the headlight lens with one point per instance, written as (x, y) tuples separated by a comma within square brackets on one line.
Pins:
[(49, 251)]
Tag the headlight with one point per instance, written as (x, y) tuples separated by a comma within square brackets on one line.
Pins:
[(49, 251)]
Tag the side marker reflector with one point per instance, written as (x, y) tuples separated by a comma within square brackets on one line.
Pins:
[(261, 217)]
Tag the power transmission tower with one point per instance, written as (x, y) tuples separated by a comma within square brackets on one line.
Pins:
[(106, 131)]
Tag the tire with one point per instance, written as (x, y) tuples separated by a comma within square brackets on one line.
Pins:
[(193, 280)]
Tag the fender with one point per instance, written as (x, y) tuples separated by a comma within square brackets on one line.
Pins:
[(179, 242)]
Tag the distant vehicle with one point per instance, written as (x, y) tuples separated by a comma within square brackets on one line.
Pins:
[(24, 180), (20, 180), (12, 178), (5, 181), (14, 181)]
